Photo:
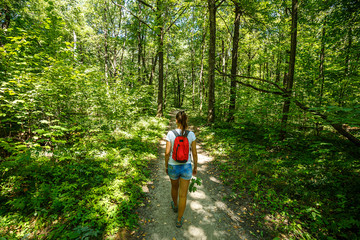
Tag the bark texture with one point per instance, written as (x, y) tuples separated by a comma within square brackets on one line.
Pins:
[(234, 60), (212, 44), (290, 79), (160, 36)]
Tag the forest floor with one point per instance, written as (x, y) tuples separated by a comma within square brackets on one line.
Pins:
[(208, 213)]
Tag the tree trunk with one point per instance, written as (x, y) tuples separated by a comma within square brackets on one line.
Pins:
[(146, 73), (234, 60), (161, 77), (154, 61), (221, 111), (260, 65), (75, 42), (193, 77), (183, 92), (290, 79), (212, 45), (122, 57), (166, 81), (6, 22), (321, 76), (139, 54), (277, 71), (343, 86), (106, 57), (178, 90), (201, 80), (139, 38), (321, 67), (348, 49), (160, 35)]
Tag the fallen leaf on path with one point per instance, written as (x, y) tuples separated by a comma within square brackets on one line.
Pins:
[(174, 238)]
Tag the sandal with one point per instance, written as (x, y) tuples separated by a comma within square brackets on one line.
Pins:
[(179, 223), (175, 209)]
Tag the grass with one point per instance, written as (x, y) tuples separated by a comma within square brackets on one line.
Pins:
[(305, 187)]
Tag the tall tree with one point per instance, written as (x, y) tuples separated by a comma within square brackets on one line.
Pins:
[(211, 60), (290, 78), (160, 41), (234, 61)]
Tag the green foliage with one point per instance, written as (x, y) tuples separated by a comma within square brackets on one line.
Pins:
[(307, 187), (74, 148), (88, 188), (193, 183), (75, 128)]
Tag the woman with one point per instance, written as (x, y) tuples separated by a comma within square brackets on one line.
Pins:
[(180, 173)]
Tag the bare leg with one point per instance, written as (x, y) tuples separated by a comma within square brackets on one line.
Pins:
[(175, 191), (184, 186)]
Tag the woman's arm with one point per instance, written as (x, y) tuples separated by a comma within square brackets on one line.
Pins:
[(167, 155), (195, 157)]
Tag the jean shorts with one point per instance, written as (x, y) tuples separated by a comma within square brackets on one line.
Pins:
[(184, 171)]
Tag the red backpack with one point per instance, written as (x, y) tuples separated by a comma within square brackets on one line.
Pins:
[(181, 147)]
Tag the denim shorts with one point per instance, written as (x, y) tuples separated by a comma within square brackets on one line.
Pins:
[(184, 171)]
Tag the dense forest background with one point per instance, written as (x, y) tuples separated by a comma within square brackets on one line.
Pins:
[(273, 85)]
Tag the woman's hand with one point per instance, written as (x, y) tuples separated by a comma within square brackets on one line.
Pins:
[(166, 170), (194, 171)]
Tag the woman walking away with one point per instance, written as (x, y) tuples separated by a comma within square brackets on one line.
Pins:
[(180, 145)]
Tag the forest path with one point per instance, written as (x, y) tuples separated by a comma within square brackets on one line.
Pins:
[(206, 215)]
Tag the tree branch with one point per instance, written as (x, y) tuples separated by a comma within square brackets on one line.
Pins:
[(226, 25), (222, 1), (259, 89), (283, 90), (338, 127), (121, 6), (176, 18), (284, 93), (146, 4)]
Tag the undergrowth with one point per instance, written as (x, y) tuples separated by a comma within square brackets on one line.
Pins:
[(302, 188), (86, 188)]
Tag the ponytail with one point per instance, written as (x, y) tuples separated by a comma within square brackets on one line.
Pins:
[(182, 118)]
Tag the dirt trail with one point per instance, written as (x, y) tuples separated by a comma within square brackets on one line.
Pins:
[(206, 215)]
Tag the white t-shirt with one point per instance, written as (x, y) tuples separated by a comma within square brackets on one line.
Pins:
[(170, 137)]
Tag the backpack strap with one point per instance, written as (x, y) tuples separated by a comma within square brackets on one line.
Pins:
[(175, 133), (186, 133)]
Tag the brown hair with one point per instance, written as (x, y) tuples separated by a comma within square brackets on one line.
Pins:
[(182, 118)]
